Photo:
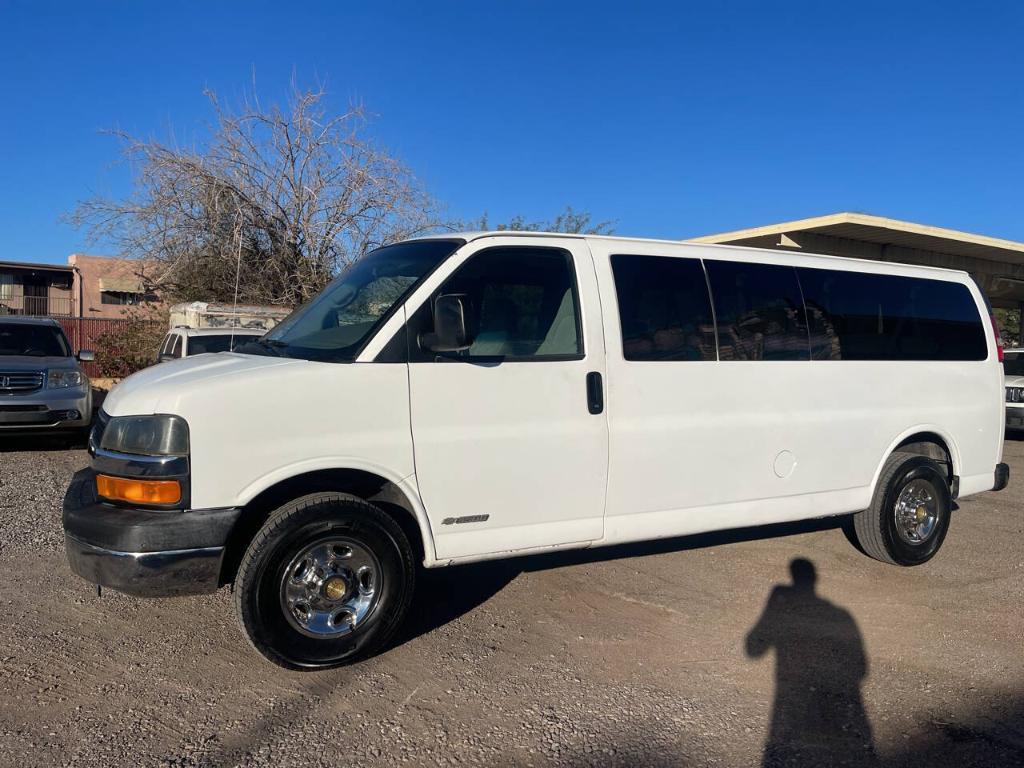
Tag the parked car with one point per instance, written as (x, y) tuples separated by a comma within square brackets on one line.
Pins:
[(42, 385), (1013, 372), (186, 342), (454, 399)]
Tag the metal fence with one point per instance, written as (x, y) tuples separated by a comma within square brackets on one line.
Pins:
[(84, 333)]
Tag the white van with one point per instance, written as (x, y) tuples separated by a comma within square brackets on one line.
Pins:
[(486, 395)]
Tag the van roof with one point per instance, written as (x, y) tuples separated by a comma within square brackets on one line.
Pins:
[(875, 264)]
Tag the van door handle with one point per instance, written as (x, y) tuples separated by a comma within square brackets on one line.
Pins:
[(595, 392)]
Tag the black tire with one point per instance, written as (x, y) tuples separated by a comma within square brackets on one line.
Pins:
[(876, 528), (290, 530)]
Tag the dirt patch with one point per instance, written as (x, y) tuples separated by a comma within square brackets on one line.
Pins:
[(634, 656)]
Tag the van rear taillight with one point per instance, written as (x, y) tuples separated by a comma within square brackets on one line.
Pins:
[(999, 338)]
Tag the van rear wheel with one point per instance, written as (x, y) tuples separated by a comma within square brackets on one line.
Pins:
[(325, 582), (909, 513)]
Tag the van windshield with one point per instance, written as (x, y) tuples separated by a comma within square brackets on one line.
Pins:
[(335, 325), (32, 340)]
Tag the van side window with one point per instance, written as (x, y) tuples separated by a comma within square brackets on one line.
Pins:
[(664, 309), (176, 349), (759, 311), (522, 303), (859, 316)]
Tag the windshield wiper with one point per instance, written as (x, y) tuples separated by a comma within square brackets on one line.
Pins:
[(274, 346), (261, 347)]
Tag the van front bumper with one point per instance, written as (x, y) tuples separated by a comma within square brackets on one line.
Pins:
[(166, 573), (143, 552)]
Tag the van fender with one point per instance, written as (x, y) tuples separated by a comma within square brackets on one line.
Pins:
[(406, 486), (954, 450)]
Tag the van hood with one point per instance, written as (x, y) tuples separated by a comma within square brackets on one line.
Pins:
[(152, 390), (1013, 381)]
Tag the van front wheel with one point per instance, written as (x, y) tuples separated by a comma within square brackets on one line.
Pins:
[(909, 513), (326, 581)]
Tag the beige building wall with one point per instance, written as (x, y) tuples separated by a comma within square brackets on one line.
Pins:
[(102, 280)]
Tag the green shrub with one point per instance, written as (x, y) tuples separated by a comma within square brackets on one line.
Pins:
[(133, 345)]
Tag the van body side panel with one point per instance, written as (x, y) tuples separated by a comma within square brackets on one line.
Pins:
[(286, 417), (705, 445)]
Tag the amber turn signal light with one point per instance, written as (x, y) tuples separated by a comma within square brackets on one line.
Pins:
[(138, 491)]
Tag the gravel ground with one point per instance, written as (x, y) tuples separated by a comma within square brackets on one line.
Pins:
[(642, 658)]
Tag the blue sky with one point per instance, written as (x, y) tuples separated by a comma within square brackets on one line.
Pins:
[(674, 119)]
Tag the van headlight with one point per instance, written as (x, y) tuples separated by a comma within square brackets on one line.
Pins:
[(62, 378), (146, 435)]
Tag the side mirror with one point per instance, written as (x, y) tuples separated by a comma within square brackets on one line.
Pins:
[(450, 334), (86, 356)]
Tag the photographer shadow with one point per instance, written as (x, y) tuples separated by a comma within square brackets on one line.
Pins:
[(818, 715)]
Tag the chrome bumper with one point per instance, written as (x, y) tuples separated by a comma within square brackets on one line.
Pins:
[(146, 574), (144, 552)]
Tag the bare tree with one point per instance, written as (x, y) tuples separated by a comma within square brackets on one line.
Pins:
[(569, 221), (273, 205)]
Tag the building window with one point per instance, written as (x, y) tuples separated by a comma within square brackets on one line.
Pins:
[(125, 298), (6, 286)]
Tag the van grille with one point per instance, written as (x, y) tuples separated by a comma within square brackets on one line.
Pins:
[(20, 382), (1015, 394)]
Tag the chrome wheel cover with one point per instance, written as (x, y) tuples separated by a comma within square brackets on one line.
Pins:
[(330, 587), (917, 512)]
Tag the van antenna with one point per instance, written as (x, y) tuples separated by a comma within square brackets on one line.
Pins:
[(238, 271)]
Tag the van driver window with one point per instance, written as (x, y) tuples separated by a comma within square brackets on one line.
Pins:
[(520, 303)]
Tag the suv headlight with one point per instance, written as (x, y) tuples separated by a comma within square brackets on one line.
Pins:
[(61, 378), (146, 435)]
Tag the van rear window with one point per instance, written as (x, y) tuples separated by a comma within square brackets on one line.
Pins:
[(863, 316)]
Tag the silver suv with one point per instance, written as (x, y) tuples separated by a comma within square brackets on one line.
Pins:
[(42, 384)]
